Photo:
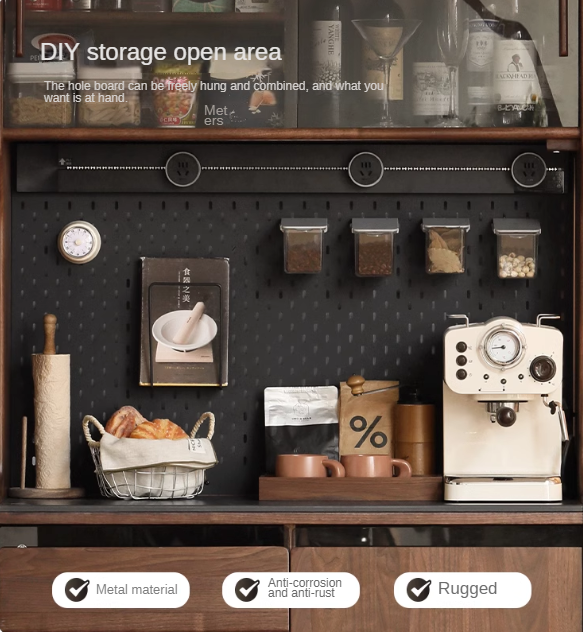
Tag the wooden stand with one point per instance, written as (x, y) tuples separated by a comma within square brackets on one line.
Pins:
[(415, 488), (34, 493)]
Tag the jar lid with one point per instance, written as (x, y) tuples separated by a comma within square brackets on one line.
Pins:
[(507, 226), (310, 223), (113, 73), (375, 225), (446, 222), (47, 71)]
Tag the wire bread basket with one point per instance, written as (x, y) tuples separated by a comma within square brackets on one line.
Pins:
[(161, 482)]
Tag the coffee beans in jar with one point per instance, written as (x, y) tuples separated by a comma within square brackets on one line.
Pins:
[(303, 245), (373, 242)]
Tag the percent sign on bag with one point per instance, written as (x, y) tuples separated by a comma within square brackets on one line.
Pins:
[(366, 422), (378, 439)]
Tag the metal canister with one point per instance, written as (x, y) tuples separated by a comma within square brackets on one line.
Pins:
[(414, 435)]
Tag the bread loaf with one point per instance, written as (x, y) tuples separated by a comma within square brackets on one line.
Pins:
[(158, 429), (124, 421)]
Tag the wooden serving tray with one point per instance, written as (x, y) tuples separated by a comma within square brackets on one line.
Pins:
[(414, 488)]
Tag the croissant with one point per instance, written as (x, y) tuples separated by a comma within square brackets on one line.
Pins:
[(123, 422), (158, 429)]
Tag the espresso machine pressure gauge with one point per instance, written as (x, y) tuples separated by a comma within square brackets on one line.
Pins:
[(503, 347)]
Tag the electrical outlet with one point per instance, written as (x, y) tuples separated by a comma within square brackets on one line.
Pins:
[(529, 170), (182, 169), (366, 169)]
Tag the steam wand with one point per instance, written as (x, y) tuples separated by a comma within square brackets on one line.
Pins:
[(557, 407)]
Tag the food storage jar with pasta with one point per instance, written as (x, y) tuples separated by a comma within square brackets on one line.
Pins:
[(517, 247), (110, 96), (40, 95), (445, 245), (373, 245)]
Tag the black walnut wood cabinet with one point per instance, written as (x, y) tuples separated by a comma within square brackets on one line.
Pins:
[(555, 571)]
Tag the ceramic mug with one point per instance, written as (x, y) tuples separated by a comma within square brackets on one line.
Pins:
[(307, 466), (375, 465)]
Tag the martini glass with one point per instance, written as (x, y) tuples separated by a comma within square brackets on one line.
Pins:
[(452, 37), (386, 37)]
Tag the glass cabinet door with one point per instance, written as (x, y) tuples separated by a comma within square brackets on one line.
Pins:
[(447, 64), (151, 63), (268, 64)]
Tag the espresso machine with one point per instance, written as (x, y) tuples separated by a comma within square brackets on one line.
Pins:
[(504, 427)]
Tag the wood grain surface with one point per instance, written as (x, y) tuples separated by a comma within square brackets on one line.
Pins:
[(347, 489), (555, 574), (468, 135), (26, 577), (353, 517)]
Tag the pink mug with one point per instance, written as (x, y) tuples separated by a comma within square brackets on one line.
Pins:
[(307, 466)]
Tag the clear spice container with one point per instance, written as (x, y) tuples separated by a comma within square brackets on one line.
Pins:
[(107, 100), (445, 244), (373, 246), (303, 245), (517, 247), (39, 95)]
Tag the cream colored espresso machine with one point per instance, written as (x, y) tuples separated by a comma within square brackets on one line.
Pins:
[(503, 421)]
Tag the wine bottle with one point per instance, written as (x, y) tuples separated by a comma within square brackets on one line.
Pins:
[(372, 72), (332, 40), (430, 76), (516, 86), (484, 31)]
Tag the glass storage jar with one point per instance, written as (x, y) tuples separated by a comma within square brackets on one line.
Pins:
[(445, 244), (373, 246), (517, 247), (40, 95), (109, 97), (303, 245)]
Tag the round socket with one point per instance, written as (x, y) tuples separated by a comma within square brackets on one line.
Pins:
[(182, 169), (529, 170), (366, 169)]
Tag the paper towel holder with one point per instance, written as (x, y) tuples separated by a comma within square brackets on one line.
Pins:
[(50, 326)]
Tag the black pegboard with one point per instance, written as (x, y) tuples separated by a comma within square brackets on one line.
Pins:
[(285, 330)]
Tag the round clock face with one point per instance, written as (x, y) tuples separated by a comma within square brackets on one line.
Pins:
[(503, 348), (79, 242)]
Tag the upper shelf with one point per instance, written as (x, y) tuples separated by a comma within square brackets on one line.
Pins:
[(215, 134), (108, 18)]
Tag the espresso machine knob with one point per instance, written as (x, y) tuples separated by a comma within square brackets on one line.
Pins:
[(506, 417), (543, 369)]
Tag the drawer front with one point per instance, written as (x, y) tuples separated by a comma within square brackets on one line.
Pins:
[(555, 574), (26, 577)]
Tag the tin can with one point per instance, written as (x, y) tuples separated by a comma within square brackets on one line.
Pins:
[(43, 5)]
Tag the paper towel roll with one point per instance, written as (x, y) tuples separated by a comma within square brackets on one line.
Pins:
[(52, 435)]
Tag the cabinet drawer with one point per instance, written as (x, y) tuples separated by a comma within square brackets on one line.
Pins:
[(26, 577), (555, 574)]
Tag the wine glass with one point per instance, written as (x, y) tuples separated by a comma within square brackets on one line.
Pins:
[(452, 38), (386, 37)]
